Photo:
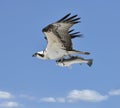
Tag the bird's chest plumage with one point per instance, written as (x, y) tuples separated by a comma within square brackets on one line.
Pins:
[(55, 48), (55, 52)]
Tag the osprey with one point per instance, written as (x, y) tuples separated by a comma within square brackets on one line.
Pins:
[(58, 37)]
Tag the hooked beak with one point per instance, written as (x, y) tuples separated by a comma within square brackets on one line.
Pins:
[(34, 55)]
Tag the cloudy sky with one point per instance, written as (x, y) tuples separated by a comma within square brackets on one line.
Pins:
[(27, 82)]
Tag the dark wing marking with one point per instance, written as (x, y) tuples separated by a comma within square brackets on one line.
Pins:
[(67, 19), (61, 30), (64, 17), (63, 25), (74, 34)]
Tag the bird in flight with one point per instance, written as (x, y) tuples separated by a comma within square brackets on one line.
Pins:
[(59, 39)]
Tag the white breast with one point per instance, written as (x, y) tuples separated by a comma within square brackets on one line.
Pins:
[(55, 53)]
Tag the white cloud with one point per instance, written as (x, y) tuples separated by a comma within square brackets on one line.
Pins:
[(114, 92), (27, 97), (52, 99), (9, 104), (78, 95), (86, 95), (48, 99), (5, 95), (61, 100)]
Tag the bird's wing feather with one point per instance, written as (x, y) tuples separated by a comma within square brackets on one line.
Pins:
[(60, 30), (54, 43), (74, 34), (63, 26)]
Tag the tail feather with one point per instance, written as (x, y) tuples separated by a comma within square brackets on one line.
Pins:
[(90, 62), (78, 52)]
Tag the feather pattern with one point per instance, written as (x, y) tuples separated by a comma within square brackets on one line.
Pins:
[(67, 19), (60, 29), (74, 34), (63, 25)]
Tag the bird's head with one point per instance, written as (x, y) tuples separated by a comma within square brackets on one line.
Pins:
[(39, 55), (50, 28)]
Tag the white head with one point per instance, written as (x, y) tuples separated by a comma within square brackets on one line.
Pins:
[(39, 55)]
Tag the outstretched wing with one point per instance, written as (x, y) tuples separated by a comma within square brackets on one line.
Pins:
[(59, 31), (74, 34), (64, 25)]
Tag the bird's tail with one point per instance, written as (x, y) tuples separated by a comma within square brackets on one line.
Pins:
[(90, 62), (78, 52)]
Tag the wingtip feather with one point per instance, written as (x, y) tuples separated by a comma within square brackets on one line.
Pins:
[(63, 18), (70, 19)]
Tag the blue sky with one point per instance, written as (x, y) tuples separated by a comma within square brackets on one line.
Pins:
[(30, 82)]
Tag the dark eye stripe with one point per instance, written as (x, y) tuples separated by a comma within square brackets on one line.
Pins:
[(41, 55)]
